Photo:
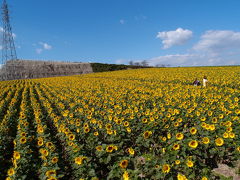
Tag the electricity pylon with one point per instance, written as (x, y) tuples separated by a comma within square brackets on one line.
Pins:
[(8, 46)]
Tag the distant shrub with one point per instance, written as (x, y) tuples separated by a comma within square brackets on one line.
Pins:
[(99, 67)]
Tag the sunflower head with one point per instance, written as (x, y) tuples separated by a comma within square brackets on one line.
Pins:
[(219, 141), (99, 148), (147, 134), (54, 160), (123, 163), (193, 144), (179, 136), (166, 168), (205, 140), (189, 163), (176, 147), (23, 140), (193, 130)]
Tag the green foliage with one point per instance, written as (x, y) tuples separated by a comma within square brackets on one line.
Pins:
[(99, 67)]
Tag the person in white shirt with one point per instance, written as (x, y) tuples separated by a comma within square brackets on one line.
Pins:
[(205, 81)]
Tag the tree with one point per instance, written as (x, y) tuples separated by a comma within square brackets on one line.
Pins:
[(131, 63), (144, 63)]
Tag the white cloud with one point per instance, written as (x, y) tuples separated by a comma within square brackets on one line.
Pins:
[(45, 46), (218, 41), (192, 59), (122, 61), (122, 21), (174, 60), (39, 51), (177, 37), (214, 48)]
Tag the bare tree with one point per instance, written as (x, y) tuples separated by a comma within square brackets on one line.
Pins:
[(144, 63), (137, 64), (131, 63)]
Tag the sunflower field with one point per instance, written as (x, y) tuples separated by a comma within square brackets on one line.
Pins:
[(131, 124)]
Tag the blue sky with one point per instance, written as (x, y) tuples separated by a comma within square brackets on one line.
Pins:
[(174, 32)]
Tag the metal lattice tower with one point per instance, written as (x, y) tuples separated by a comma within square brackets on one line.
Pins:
[(8, 46)]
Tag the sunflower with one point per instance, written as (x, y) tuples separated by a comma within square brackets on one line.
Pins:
[(123, 163), (79, 160), (214, 120), (177, 162), (205, 140), (212, 127), (147, 134), (238, 148), (115, 148), (166, 168), (131, 151), (126, 123), (181, 177), (204, 125), (125, 175), (176, 124), (16, 155), (237, 111), (23, 134), (193, 130), (110, 148), (86, 130), (210, 113), (229, 129), (231, 135), (219, 141), (128, 129), (11, 172), (44, 152), (70, 143), (225, 135), (179, 120), (50, 173), (96, 133), (144, 120), (54, 160), (203, 119), (49, 145), (23, 140), (193, 144), (108, 126), (164, 139), (71, 137), (40, 142), (176, 147), (220, 116), (179, 136), (99, 148), (40, 130), (189, 163), (110, 132)]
